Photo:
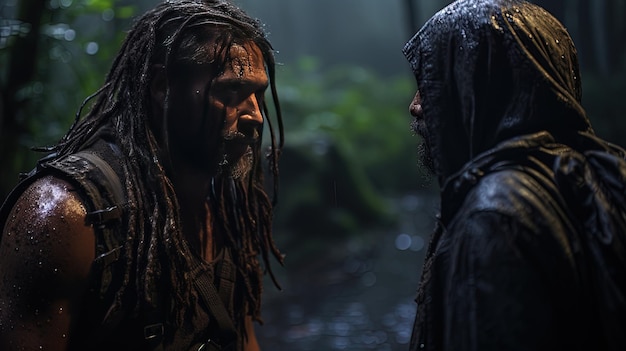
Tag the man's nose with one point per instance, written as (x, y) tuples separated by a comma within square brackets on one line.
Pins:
[(415, 108), (250, 110)]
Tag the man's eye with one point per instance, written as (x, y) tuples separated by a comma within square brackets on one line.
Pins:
[(234, 94), (229, 96), (260, 97)]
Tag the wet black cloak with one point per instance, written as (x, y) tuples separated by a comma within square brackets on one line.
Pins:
[(530, 249)]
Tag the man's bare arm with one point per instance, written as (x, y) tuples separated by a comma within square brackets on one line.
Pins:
[(45, 255), (251, 342)]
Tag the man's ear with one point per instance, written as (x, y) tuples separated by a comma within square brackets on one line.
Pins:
[(158, 86)]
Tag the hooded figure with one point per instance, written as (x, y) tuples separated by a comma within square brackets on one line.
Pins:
[(529, 251)]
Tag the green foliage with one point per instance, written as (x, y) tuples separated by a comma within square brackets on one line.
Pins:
[(77, 42), (349, 151), (58, 52), (361, 113), (605, 105)]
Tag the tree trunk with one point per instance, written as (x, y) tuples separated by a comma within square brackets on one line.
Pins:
[(616, 32), (22, 63), (412, 20), (599, 31)]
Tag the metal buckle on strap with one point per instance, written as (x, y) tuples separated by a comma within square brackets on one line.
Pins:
[(212, 345), (153, 331), (103, 216)]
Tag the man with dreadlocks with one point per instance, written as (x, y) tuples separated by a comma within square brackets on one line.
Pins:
[(142, 229), (529, 252)]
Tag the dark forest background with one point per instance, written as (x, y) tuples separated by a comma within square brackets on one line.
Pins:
[(342, 76), (354, 210)]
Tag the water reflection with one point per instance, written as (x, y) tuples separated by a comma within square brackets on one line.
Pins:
[(349, 326), (406, 242), (361, 300)]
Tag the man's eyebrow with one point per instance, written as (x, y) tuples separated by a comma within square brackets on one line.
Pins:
[(238, 83)]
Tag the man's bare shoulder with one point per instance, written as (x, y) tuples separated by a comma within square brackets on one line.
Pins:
[(45, 258), (45, 232)]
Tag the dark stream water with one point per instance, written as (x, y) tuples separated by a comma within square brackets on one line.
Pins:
[(360, 296)]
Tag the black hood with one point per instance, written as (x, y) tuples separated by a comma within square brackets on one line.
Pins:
[(491, 70)]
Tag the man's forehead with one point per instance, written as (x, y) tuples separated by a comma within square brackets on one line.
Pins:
[(247, 49), (246, 55), (212, 52)]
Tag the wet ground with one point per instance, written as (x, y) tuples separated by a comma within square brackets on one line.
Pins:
[(359, 295)]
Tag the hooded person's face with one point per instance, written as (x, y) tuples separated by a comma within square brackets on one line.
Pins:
[(418, 126), (488, 71)]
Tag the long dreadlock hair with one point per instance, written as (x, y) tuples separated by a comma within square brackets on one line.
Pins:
[(156, 252)]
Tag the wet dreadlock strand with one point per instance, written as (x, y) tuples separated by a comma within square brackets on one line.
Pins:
[(274, 152), (155, 242), (228, 199), (265, 215)]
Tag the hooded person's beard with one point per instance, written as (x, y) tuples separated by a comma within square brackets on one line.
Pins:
[(424, 151)]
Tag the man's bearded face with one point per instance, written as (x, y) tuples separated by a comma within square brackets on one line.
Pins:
[(216, 121)]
